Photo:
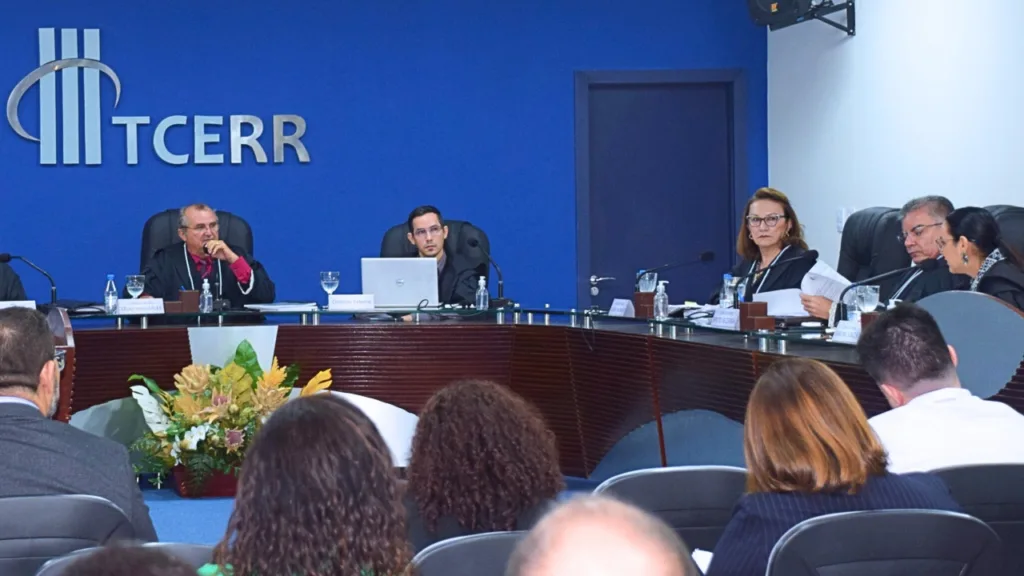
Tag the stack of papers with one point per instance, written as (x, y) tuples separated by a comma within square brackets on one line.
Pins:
[(283, 307), (820, 280)]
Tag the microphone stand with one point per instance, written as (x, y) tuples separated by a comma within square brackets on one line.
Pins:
[(53, 285)]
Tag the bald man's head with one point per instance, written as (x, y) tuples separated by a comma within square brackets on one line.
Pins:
[(600, 536)]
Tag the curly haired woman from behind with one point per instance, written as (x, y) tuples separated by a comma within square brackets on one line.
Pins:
[(483, 460), (317, 496)]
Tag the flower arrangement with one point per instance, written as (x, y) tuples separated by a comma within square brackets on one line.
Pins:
[(204, 427)]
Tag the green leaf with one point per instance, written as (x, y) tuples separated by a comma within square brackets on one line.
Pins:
[(150, 383), (245, 357), (291, 376)]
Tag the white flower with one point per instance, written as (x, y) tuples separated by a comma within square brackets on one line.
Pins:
[(176, 452), (151, 410), (194, 436)]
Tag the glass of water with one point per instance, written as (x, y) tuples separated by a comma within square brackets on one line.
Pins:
[(329, 282), (648, 282), (867, 298), (135, 284)]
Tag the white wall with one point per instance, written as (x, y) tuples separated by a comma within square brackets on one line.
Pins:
[(927, 98)]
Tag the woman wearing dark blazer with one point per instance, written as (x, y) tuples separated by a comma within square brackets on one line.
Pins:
[(483, 460), (972, 244), (769, 233), (810, 452)]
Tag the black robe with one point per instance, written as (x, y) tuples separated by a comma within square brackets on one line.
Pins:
[(1004, 281), (782, 277), (938, 279), (10, 284), (457, 282), (168, 272)]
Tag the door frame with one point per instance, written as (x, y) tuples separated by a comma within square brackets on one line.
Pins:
[(735, 79)]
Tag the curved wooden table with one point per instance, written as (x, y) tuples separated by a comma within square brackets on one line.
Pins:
[(593, 386)]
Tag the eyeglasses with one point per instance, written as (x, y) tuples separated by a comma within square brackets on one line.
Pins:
[(427, 232), (58, 356), (770, 220), (203, 227), (916, 231)]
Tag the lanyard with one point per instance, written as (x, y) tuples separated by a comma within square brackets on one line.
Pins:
[(764, 279)]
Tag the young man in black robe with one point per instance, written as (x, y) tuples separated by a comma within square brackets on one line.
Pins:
[(233, 274), (456, 276)]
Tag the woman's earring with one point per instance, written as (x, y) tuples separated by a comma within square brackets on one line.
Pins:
[(963, 257)]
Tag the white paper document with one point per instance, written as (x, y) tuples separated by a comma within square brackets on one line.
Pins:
[(782, 303), (823, 280), (283, 307)]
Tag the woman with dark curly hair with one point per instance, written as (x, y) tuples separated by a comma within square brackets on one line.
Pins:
[(483, 460), (317, 496)]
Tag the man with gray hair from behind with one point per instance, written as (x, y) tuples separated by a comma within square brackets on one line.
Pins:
[(600, 536)]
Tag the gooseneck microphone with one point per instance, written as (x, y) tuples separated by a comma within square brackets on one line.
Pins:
[(5, 258), (925, 266), (475, 243), (706, 256)]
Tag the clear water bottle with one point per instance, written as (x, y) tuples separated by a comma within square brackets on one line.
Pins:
[(661, 302), (110, 296), (741, 290), (726, 298), (206, 298), (483, 297)]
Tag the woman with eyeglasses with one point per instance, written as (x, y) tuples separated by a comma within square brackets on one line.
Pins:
[(973, 245), (770, 234)]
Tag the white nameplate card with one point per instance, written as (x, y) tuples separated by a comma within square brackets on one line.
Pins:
[(847, 332), (623, 308), (18, 304), (726, 319), (350, 303), (140, 306)]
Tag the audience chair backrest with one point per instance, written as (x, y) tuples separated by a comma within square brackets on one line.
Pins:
[(696, 501), (870, 245), (196, 555), (34, 529), (161, 231), (395, 243), (993, 494), (887, 542), (1011, 225), (475, 555)]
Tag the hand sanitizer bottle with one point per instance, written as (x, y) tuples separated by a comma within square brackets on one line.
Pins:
[(661, 302), (206, 298), (483, 297)]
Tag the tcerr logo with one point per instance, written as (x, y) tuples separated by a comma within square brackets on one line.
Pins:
[(85, 121)]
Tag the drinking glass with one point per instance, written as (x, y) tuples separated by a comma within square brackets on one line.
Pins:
[(329, 282), (135, 284), (867, 298), (648, 282)]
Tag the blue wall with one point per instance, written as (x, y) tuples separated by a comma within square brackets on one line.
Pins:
[(464, 104)]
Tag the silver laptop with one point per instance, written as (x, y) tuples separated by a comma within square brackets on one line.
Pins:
[(401, 282)]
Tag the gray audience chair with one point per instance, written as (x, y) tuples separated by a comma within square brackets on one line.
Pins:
[(34, 529), (994, 494), (888, 543), (475, 555), (696, 501), (195, 555)]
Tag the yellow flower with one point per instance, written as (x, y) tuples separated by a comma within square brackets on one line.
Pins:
[(193, 379), (266, 400), (272, 378), (235, 383), (318, 383), (187, 405)]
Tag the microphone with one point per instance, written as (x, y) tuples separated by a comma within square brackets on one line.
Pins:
[(925, 266), (475, 243), (5, 258), (809, 255), (706, 256)]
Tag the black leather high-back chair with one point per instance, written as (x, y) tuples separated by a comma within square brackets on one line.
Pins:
[(161, 231), (396, 244), (994, 494), (1011, 225), (887, 543), (475, 555), (696, 501), (195, 555), (870, 246), (34, 529)]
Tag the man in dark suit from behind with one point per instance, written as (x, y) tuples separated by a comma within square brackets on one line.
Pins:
[(44, 457)]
